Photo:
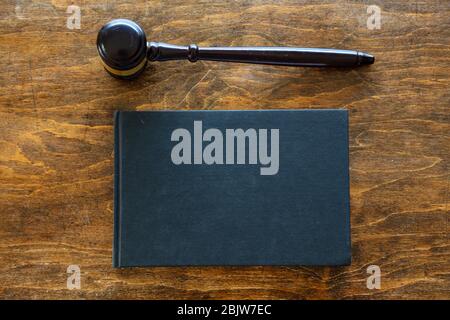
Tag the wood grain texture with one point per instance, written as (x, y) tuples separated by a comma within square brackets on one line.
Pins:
[(56, 141)]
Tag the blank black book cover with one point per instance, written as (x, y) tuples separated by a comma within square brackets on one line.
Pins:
[(267, 187)]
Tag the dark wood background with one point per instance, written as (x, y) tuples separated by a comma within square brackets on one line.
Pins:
[(56, 140)]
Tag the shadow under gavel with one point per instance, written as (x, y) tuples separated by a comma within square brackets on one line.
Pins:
[(124, 50)]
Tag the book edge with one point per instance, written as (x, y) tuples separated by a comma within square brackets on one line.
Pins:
[(116, 261), (348, 260)]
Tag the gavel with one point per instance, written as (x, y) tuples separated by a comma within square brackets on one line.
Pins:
[(124, 51)]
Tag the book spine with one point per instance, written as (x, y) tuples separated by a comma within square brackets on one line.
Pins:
[(348, 212), (117, 189)]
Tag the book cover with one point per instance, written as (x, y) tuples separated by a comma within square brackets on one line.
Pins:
[(266, 187)]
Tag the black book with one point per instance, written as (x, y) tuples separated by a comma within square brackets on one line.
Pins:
[(268, 187)]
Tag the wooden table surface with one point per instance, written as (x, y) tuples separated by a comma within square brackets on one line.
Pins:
[(56, 140)]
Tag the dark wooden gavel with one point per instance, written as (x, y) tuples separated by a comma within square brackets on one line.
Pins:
[(124, 51)]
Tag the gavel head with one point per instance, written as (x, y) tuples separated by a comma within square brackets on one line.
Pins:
[(122, 46)]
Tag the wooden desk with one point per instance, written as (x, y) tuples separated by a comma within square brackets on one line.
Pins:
[(56, 141)]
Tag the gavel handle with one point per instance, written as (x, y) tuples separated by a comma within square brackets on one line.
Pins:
[(287, 56)]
